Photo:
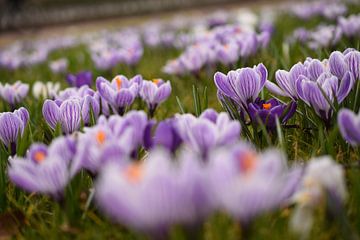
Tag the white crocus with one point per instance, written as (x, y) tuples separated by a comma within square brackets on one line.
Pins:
[(45, 90)]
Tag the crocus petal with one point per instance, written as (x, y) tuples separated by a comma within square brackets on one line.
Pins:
[(337, 64), (51, 113), (273, 88), (346, 84), (222, 83), (70, 112), (349, 126)]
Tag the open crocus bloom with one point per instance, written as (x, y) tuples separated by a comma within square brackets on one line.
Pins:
[(242, 85), (349, 125), (44, 169), (155, 194), (208, 131), (155, 92), (14, 93), (247, 184), (120, 92), (268, 111)]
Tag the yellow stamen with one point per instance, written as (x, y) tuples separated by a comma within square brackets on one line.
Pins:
[(134, 173), (100, 137), (118, 82), (39, 156), (267, 106)]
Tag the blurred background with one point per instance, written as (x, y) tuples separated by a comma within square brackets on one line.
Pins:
[(17, 14)]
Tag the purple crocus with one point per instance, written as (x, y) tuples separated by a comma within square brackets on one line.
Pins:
[(45, 169), (204, 133), (80, 79), (120, 92), (67, 114), (12, 126), (340, 63), (246, 183), (268, 111), (325, 88), (242, 85), (13, 93), (154, 92), (349, 125), (153, 195)]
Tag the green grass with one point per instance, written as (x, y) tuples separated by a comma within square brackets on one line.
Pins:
[(31, 216)]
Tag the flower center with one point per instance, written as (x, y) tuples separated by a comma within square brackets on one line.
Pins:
[(266, 106), (247, 162), (156, 81), (100, 137), (134, 172), (118, 83), (39, 156)]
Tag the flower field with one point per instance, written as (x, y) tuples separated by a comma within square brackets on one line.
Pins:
[(236, 124)]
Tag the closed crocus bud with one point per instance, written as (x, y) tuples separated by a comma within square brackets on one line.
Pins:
[(51, 113), (337, 64), (242, 85), (353, 61), (70, 113), (45, 90), (90, 104), (349, 125), (80, 79), (12, 125), (155, 92)]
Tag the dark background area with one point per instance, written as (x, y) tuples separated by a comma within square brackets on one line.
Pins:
[(15, 14)]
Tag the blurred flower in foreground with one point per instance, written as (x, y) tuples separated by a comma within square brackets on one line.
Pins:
[(45, 90), (155, 194), (45, 169), (209, 130), (349, 125), (80, 79), (12, 124), (316, 190), (59, 65), (14, 93), (154, 92), (246, 184), (268, 111)]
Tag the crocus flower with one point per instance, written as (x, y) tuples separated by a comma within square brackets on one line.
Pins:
[(340, 63), (120, 92), (242, 85), (349, 125), (80, 79), (45, 169), (67, 114), (268, 111), (12, 125), (314, 189), (15, 93), (246, 184), (203, 133), (59, 65), (155, 92), (153, 195), (325, 88), (45, 90)]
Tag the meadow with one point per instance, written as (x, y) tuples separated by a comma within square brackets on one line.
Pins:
[(73, 186)]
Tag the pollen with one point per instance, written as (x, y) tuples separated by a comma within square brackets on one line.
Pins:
[(156, 81), (39, 156), (118, 83), (100, 137), (266, 106), (134, 173), (247, 162)]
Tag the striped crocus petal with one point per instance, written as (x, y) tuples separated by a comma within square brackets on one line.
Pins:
[(349, 125), (51, 113), (70, 113), (10, 127)]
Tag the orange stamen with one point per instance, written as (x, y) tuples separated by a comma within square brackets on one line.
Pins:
[(39, 156), (134, 173), (100, 137), (267, 106), (247, 162), (118, 83), (156, 81)]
